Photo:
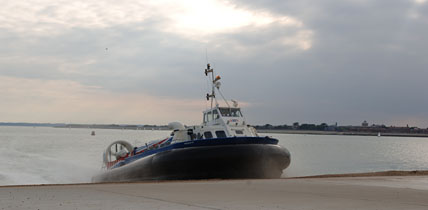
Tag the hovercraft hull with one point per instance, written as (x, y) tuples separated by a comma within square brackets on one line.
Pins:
[(229, 161)]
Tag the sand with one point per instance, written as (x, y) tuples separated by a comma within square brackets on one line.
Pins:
[(369, 192)]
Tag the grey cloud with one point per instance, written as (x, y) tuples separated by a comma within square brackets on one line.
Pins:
[(367, 62)]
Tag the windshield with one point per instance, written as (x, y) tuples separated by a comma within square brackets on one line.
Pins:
[(230, 112)]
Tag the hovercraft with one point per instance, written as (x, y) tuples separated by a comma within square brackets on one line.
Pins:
[(224, 146)]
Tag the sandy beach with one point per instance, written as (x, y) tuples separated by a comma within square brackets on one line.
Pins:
[(341, 192)]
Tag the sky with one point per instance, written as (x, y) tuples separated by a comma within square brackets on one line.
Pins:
[(143, 61)]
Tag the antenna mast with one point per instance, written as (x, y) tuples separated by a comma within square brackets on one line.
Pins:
[(212, 95), (215, 84)]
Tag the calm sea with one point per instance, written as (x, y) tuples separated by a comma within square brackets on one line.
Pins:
[(60, 155)]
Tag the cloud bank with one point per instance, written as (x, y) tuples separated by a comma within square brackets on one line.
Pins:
[(330, 61)]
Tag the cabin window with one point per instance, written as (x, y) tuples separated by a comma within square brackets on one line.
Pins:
[(220, 134), (215, 114), (239, 132), (209, 116), (230, 112), (208, 135)]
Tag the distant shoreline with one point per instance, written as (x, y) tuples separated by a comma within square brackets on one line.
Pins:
[(309, 132), (88, 126), (164, 127)]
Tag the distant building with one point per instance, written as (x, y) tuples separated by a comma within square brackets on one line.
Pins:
[(331, 127), (379, 126), (296, 125), (365, 124)]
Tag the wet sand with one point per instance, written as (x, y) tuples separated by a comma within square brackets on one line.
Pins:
[(354, 192), (370, 174)]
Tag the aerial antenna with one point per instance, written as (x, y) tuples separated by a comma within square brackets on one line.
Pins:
[(206, 54), (208, 80)]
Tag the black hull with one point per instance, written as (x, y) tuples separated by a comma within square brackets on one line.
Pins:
[(205, 162)]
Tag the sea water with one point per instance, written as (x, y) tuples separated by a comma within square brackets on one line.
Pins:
[(338, 154), (43, 155)]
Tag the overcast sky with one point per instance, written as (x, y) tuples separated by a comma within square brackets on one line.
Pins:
[(142, 62)]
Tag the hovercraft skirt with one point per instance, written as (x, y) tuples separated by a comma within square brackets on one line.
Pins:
[(222, 161)]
